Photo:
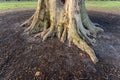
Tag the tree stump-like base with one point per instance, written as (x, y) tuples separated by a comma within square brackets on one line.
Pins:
[(66, 19)]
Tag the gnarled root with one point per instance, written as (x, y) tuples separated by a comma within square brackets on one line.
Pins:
[(34, 21), (87, 22), (27, 22)]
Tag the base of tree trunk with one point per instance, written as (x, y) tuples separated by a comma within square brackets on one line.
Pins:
[(66, 19)]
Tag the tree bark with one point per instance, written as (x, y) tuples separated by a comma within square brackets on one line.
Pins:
[(66, 19)]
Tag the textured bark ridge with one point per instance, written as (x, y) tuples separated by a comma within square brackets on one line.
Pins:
[(66, 19)]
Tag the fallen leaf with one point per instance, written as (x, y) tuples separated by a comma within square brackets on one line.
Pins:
[(38, 73), (81, 54)]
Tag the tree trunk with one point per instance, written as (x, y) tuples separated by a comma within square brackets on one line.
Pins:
[(66, 19)]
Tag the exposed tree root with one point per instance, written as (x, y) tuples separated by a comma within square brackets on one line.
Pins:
[(27, 22), (68, 20), (87, 22)]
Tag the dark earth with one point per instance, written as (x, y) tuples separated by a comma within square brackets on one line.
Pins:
[(23, 57)]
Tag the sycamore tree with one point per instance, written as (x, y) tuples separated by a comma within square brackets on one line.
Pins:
[(67, 20)]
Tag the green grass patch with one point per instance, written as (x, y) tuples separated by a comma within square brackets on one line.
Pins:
[(13, 5), (104, 4), (30, 4)]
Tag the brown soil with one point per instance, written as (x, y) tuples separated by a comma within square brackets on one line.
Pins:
[(24, 58)]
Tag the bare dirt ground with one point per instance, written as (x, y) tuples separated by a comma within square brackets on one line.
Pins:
[(24, 58)]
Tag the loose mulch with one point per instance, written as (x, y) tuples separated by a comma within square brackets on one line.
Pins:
[(24, 58)]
